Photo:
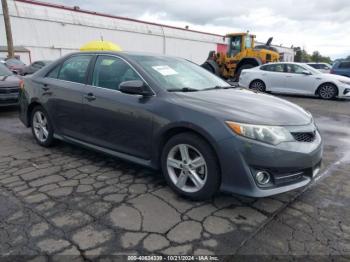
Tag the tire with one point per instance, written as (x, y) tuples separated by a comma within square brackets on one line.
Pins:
[(327, 91), (258, 85), (41, 125), (246, 66), (196, 180)]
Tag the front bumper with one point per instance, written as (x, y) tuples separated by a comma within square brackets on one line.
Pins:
[(343, 90), (291, 165), (9, 96)]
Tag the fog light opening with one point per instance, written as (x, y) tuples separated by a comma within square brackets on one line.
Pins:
[(262, 177)]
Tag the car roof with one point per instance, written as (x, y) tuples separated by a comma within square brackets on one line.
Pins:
[(292, 63), (124, 53)]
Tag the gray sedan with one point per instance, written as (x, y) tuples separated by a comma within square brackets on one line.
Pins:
[(171, 114), (9, 87)]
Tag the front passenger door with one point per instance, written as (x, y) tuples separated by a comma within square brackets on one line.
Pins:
[(116, 120), (299, 83)]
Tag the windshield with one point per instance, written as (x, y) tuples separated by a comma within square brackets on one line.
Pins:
[(175, 74), (311, 69), (4, 71)]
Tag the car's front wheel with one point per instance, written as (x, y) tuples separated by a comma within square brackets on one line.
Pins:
[(327, 91), (190, 166), (41, 127)]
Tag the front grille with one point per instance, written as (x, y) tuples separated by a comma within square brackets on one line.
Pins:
[(304, 136), (9, 90)]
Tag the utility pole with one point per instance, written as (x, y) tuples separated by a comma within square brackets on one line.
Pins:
[(5, 11)]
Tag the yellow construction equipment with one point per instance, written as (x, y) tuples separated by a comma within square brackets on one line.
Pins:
[(241, 53), (100, 45)]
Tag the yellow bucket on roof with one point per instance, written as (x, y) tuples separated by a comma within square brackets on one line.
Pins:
[(100, 45)]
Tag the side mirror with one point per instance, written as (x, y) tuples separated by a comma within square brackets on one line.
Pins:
[(135, 87), (305, 72)]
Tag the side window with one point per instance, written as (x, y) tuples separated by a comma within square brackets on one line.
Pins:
[(344, 65), (54, 72), (279, 68), (74, 69), (298, 69), (294, 69), (273, 68), (248, 42), (265, 68), (110, 71)]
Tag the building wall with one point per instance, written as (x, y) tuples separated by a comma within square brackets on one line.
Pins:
[(50, 32)]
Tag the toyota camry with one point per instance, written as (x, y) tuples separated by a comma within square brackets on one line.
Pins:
[(170, 114)]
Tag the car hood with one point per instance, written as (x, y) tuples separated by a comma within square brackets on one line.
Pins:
[(9, 81), (245, 106)]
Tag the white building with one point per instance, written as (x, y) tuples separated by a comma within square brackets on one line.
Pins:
[(49, 31)]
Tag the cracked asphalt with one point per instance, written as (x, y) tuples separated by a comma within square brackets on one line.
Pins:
[(70, 201)]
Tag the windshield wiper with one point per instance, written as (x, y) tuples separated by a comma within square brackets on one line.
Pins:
[(219, 87), (184, 89)]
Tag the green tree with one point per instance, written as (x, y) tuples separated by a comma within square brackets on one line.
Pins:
[(316, 57), (301, 55)]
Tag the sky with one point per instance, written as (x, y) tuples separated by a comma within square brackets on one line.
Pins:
[(321, 25)]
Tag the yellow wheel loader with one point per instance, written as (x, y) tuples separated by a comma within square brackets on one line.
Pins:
[(241, 53)]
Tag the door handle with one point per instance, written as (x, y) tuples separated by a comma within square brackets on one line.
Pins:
[(288, 76), (90, 97)]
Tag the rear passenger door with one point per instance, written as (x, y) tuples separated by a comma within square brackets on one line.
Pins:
[(115, 120), (63, 89), (273, 77)]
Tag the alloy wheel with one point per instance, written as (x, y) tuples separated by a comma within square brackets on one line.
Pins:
[(258, 86), (327, 91), (40, 126), (187, 168)]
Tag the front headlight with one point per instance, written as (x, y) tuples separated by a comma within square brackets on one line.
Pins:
[(344, 82), (268, 134)]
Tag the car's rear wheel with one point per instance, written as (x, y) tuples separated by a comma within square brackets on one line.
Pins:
[(327, 91), (258, 85), (41, 127), (190, 166)]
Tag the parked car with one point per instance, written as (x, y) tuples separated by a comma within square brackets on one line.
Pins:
[(295, 78), (341, 68), (14, 65), (322, 67), (169, 113), (9, 87), (33, 67)]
